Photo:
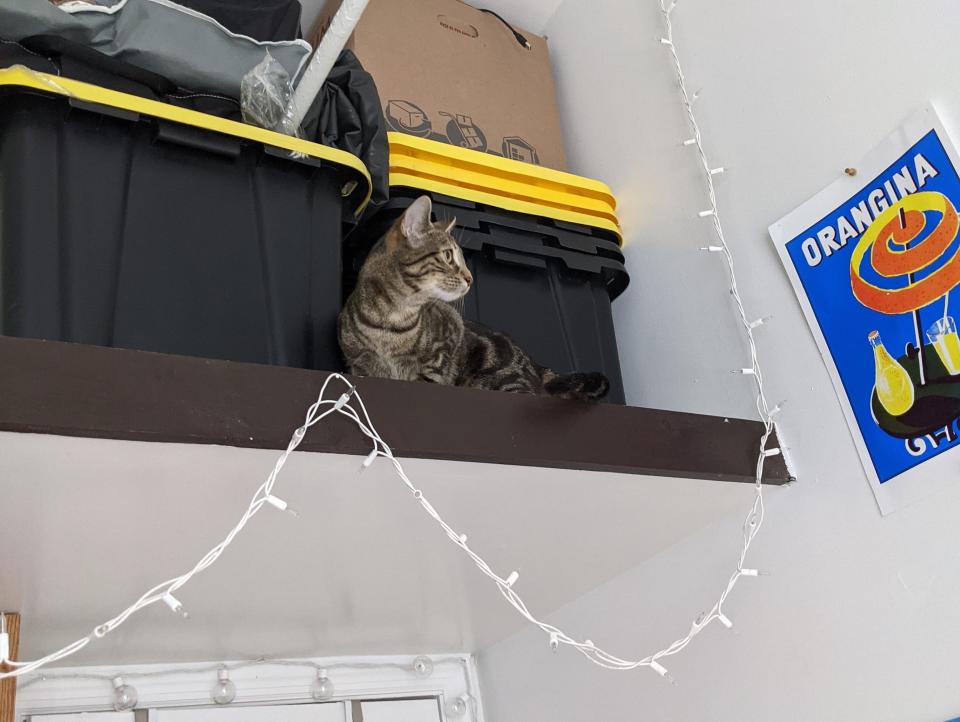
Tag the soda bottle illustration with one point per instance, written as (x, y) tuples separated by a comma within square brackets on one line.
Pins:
[(893, 384)]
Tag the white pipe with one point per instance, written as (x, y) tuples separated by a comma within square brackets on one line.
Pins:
[(326, 54)]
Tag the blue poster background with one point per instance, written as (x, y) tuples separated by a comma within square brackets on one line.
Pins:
[(845, 322)]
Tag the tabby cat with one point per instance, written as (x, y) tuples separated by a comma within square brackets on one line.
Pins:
[(399, 322)]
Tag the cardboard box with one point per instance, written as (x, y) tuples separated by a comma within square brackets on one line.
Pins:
[(448, 72)]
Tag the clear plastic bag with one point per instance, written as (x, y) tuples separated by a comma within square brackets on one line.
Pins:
[(265, 94)]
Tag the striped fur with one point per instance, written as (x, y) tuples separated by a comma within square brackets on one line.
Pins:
[(399, 322)]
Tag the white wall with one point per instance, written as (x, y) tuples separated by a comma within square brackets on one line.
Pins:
[(861, 620), (531, 15)]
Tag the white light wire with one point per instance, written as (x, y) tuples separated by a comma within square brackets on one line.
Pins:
[(213, 668), (557, 636), (325, 668), (167, 588)]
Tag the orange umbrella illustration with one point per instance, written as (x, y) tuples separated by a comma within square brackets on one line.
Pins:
[(888, 240)]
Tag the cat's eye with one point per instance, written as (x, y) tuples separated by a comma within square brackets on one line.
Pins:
[(448, 255)]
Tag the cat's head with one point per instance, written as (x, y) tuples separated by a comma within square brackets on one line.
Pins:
[(427, 257)]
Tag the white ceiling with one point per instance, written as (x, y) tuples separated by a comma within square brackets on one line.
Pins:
[(528, 14), (87, 525)]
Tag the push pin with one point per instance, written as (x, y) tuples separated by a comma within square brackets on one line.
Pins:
[(850, 171)]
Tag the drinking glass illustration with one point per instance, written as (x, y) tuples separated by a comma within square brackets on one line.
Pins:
[(943, 336), (893, 384)]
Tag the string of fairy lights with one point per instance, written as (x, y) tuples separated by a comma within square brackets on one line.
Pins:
[(319, 680), (350, 404)]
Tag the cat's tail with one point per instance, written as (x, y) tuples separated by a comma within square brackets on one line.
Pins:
[(584, 386)]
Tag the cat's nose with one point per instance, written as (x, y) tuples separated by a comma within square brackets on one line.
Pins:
[(468, 277)]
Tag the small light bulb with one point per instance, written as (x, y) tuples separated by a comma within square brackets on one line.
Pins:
[(423, 666), (344, 397), (280, 504), (369, 459), (322, 687), (124, 696), (175, 605), (224, 691), (457, 707), (554, 641), (662, 671)]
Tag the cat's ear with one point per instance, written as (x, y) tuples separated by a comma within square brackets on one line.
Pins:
[(416, 220), (450, 224)]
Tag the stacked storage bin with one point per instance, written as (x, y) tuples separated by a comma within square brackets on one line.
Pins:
[(129, 222), (543, 247)]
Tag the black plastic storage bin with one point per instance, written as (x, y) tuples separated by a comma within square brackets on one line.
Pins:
[(128, 222), (548, 284)]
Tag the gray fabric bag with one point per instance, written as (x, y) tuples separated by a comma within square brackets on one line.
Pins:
[(189, 48)]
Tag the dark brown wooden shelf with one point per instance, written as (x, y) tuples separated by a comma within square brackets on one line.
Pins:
[(76, 390)]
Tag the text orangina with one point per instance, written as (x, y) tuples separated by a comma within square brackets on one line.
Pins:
[(857, 219)]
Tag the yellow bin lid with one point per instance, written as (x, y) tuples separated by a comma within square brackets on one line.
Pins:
[(359, 184), (501, 182)]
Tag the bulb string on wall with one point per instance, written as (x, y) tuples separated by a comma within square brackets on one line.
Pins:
[(224, 691), (320, 687), (264, 494), (415, 667)]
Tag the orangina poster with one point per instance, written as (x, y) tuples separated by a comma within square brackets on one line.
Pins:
[(874, 259)]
